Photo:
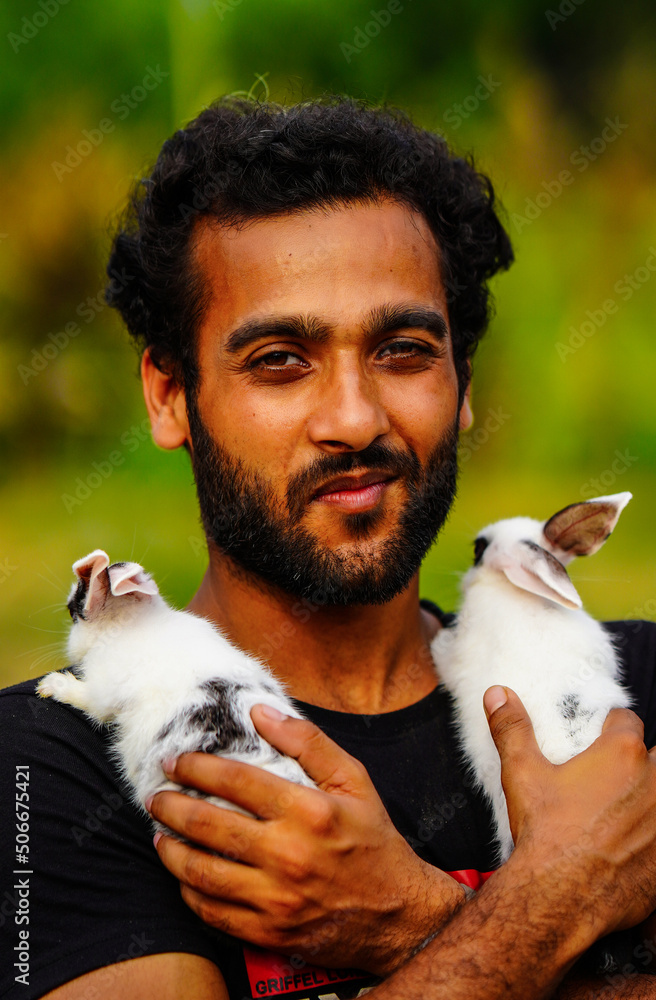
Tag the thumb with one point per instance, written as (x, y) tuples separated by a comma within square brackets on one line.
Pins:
[(330, 767), (510, 726)]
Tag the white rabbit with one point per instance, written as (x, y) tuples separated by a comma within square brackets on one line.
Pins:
[(169, 680), (521, 626)]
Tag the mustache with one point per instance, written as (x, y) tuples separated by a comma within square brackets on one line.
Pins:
[(375, 457)]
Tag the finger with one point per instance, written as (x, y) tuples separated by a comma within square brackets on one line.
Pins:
[(330, 767), (209, 874), (259, 792), (240, 921), (623, 719), (510, 726), (201, 822)]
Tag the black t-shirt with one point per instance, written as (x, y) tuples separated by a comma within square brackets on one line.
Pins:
[(83, 888)]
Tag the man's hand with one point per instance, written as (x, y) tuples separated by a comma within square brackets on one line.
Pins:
[(322, 873), (584, 865), (591, 820)]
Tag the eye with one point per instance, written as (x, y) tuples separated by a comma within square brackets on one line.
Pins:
[(277, 359), (398, 348), (480, 546)]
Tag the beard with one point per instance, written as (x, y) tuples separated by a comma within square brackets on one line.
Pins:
[(264, 538)]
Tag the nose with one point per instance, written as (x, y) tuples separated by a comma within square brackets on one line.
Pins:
[(348, 415)]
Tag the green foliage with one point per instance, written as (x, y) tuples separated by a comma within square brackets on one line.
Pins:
[(570, 357)]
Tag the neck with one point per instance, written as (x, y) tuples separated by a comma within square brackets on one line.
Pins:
[(364, 659)]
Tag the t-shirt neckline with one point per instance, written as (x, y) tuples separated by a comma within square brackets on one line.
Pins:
[(384, 723)]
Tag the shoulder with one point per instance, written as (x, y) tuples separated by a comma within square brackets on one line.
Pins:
[(38, 728), (635, 642), (99, 894), (25, 689), (23, 711), (74, 783)]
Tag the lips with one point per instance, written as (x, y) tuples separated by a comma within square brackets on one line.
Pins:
[(352, 483)]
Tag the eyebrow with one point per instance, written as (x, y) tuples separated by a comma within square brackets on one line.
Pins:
[(300, 327), (387, 318), (382, 319)]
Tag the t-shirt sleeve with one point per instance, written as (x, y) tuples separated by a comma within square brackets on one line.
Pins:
[(636, 643), (82, 885)]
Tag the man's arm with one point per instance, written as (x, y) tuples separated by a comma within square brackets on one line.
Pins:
[(584, 865), (322, 873), (172, 976), (516, 941), (585, 862), (98, 893)]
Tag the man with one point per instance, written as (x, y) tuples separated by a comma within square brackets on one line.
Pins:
[(308, 286)]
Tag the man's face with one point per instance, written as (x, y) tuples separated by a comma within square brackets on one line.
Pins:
[(324, 428)]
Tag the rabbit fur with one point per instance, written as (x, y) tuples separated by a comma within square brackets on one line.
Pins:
[(521, 625), (169, 681)]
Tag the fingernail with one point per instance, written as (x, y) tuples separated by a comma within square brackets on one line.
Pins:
[(168, 765), (272, 713), (148, 803), (157, 838), (494, 698)]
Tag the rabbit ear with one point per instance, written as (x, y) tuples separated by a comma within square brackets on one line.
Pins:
[(130, 578), (532, 568), (92, 589), (582, 528)]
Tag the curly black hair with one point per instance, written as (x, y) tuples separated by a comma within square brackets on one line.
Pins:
[(242, 159)]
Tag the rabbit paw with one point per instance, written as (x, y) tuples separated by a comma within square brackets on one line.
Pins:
[(62, 686)]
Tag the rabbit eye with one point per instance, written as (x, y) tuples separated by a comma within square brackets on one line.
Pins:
[(480, 546)]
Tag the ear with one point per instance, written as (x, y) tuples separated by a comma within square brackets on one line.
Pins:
[(91, 571), (532, 568), (582, 528), (130, 578), (466, 418), (166, 405)]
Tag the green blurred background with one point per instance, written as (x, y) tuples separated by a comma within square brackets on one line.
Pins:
[(564, 382)]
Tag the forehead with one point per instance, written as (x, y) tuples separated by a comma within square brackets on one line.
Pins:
[(336, 262)]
